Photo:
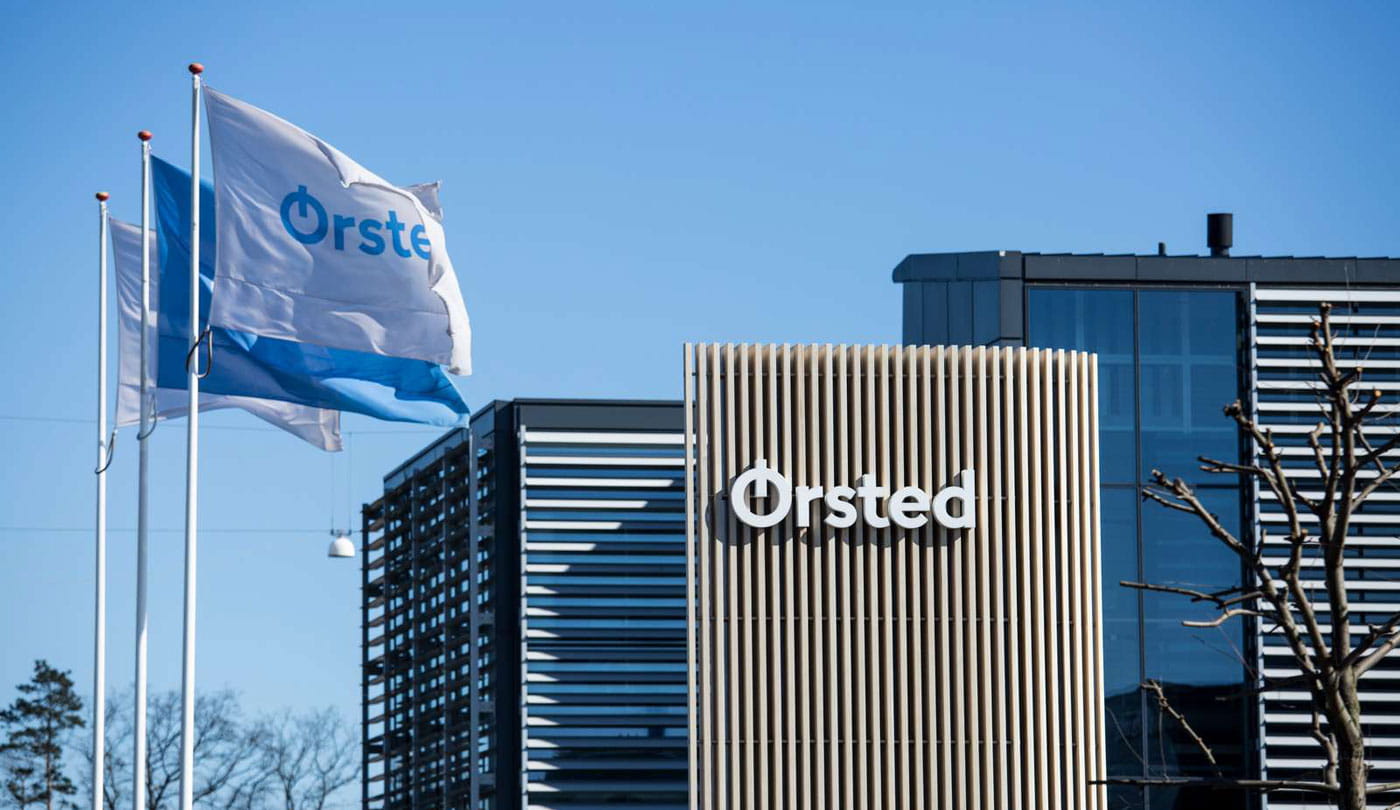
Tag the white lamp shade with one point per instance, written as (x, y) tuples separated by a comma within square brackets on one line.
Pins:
[(341, 547)]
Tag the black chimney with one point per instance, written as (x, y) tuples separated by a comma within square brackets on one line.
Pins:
[(1220, 233)]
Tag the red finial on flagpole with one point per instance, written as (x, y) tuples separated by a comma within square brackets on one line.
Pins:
[(102, 196), (196, 68), (144, 135)]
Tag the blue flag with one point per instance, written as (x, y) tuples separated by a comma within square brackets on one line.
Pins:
[(392, 388)]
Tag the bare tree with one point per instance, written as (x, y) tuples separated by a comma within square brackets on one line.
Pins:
[(296, 761), (226, 753), (116, 766), (307, 759), (1329, 658)]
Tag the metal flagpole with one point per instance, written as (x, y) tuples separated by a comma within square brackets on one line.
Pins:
[(99, 649), (138, 759), (191, 466)]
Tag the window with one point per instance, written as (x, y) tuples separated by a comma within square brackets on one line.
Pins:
[(1169, 360), (1121, 628), (1096, 321), (1177, 552), (1188, 350)]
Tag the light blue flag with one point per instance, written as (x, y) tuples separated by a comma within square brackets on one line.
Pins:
[(392, 388)]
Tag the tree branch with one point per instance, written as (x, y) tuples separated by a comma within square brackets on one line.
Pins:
[(1283, 615), (1222, 618), (1165, 706), (1375, 633)]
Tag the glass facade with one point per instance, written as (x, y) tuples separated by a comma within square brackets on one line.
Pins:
[(1169, 359)]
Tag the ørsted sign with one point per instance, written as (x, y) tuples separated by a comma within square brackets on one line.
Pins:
[(907, 508)]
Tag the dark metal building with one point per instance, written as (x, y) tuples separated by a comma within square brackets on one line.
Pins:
[(1177, 338), (524, 613)]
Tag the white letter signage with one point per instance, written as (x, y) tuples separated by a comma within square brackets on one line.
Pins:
[(907, 508)]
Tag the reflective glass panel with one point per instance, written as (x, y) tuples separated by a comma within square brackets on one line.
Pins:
[(1122, 659), (1179, 551), (1201, 670), (1121, 640), (1096, 321), (1189, 355)]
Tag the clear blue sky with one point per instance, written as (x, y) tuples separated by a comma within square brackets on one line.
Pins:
[(618, 178)]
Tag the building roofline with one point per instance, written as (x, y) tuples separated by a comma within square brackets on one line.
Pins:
[(1015, 265), (565, 407), (615, 403), (451, 438)]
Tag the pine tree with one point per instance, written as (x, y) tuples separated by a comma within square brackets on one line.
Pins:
[(31, 751)]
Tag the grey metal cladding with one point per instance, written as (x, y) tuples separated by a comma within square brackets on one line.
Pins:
[(932, 324), (1013, 314), (968, 266), (986, 312), (927, 267), (602, 414), (1377, 271), (1041, 267), (913, 299), (1190, 269), (924, 268), (960, 313)]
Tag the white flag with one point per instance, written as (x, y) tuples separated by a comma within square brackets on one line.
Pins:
[(315, 425), (315, 248)]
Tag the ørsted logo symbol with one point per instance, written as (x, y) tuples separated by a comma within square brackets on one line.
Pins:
[(313, 224), (907, 508)]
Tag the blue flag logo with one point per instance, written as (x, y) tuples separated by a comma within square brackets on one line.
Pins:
[(392, 388), (310, 212)]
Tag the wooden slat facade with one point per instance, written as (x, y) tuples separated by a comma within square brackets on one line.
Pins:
[(896, 668)]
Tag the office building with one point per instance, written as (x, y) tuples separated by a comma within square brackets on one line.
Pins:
[(896, 578), (524, 613), (525, 594), (1177, 337)]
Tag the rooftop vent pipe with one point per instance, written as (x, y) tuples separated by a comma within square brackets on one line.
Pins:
[(1220, 233)]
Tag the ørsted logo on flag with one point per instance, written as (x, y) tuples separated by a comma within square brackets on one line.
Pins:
[(907, 508), (315, 248), (311, 224)]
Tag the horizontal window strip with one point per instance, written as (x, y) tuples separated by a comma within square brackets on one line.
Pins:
[(1264, 340), (1360, 319), (601, 503), (606, 483), (1333, 295), (532, 459), (1304, 362), (606, 437)]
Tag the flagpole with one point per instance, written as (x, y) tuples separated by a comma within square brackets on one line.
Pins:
[(138, 759), (191, 465), (99, 650)]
